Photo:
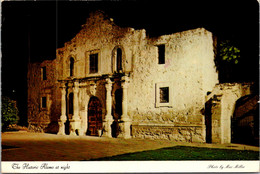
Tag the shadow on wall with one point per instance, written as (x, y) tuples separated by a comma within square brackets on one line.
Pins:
[(208, 121), (52, 128), (245, 121)]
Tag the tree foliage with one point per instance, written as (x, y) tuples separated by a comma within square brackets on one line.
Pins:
[(9, 113), (228, 52)]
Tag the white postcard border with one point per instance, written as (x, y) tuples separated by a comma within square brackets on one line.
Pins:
[(129, 166)]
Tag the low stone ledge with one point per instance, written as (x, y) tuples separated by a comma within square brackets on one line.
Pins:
[(169, 132), (167, 125)]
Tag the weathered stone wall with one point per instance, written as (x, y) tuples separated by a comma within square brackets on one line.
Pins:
[(188, 57), (189, 71), (43, 119)]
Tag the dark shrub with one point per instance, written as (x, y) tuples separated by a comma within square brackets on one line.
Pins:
[(9, 113)]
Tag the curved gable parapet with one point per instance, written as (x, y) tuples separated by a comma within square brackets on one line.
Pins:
[(98, 17), (99, 35), (99, 29)]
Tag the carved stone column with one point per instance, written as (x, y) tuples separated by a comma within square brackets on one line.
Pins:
[(63, 116), (216, 110), (125, 123), (108, 120), (75, 121), (124, 116)]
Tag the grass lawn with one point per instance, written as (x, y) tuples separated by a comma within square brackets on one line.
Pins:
[(186, 153)]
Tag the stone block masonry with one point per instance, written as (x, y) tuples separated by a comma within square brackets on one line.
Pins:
[(43, 97), (169, 132)]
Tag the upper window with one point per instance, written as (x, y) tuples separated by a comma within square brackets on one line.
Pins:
[(43, 72), (93, 63), (161, 54), (71, 66), (118, 59)]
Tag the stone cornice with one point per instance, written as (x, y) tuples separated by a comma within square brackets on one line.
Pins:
[(94, 78)]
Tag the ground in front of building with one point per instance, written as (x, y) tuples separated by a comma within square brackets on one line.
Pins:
[(25, 146)]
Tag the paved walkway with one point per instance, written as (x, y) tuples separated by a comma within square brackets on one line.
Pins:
[(24, 146)]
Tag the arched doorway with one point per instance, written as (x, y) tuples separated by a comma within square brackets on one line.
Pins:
[(245, 121), (94, 116)]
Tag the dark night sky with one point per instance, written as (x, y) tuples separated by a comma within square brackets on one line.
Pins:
[(46, 25)]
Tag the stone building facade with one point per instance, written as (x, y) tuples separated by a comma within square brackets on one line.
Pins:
[(126, 84)]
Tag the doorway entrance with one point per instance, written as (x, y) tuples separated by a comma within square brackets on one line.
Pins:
[(94, 116), (208, 121), (245, 121)]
